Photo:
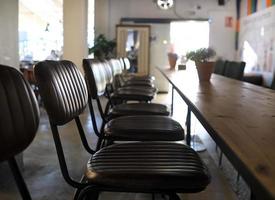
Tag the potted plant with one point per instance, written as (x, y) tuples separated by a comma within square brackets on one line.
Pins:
[(172, 58), (202, 57), (103, 48)]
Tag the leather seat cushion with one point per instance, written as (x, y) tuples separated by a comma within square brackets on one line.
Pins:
[(130, 76), (19, 113), (129, 94), (144, 128), (139, 109), (139, 82), (140, 88), (148, 166)]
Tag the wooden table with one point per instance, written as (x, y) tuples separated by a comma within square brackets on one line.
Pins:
[(240, 117)]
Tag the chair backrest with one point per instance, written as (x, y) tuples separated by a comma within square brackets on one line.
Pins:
[(127, 64), (95, 77), (219, 67), (272, 86), (117, 71), (62, 88), (116, 66), (64, 93), (19, 113), (234, 70), (121, 63), (108, 72)]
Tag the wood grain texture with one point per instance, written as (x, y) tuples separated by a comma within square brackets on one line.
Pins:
[(240, 117)]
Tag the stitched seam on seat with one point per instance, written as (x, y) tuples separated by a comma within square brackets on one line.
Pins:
[(81, 92), (62, 95)]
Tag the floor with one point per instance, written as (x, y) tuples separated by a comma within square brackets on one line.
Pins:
[(44, 179)]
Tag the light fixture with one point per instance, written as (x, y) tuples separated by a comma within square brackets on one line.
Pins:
[(47, 27), (165, 4)]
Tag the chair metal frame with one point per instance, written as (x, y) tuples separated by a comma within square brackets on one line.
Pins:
[(82, 187), (22, 186), (28, 133), (96, 96)]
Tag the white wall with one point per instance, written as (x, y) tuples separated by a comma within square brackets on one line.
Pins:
[(257, 41), (75, 31), (109, 12), (158, 56), (222, 38), (102, 17), (9, 33)]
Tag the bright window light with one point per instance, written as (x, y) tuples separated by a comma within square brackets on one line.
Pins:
[(40, 29), (249, 56), (189, 35)]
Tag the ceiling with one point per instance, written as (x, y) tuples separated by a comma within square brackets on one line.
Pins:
[(49, 10)]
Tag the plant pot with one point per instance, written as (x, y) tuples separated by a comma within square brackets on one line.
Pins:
[(172, 58), (204, 70)]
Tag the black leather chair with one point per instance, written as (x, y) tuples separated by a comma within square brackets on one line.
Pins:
[(126, 63), (136, 125), (122, 81), (146, 167), (125, 82), (234, 70), (219, 67), (272, 86), (97, 83), (19, 119), (120, 94)]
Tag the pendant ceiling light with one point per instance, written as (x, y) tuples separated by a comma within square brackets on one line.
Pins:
[(165, 4)]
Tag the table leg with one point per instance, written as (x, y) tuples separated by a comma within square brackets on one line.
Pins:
[(197, 146), (172, 103), (188, 127)]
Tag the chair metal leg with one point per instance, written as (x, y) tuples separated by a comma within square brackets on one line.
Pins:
[(88, 193), (220, 158), (19, 179), (252, 195), (216, 148), (238, 177), (188, 127), (173, 196), (172, 101), (99, 143), (76, 194)]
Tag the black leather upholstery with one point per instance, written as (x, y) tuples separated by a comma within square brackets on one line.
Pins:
[(138, 109), (234, 70), (98, 74), (219, 67), (19, 113), (139, 88), (94, 77), (143, 167), (92, 68), (148, 166), (144, 128), (126, 63), (134, 95), (117, 69), (62, 89), (128, 76)]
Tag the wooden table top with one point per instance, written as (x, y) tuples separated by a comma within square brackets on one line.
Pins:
[(240, 117)]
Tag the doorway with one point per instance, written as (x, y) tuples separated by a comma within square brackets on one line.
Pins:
[(40, 31), (187, 36), (133, 42)]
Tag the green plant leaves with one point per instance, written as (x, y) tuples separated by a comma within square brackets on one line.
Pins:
[(201, 55), (103, 48)]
